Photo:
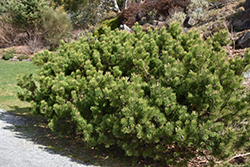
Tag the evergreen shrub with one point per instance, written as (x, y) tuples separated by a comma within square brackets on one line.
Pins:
[(164, 95)]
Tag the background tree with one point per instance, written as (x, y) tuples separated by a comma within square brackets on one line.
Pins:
[(26, 14), (73, 5)]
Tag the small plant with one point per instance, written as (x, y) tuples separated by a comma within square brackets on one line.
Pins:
[(177, 16), (23, 57), (34, 43), (8, 54), (195, 9), (7, 57)]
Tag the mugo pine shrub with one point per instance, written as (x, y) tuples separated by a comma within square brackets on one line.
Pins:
[(165, 95)]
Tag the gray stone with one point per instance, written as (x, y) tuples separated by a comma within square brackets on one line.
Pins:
[(154, 23), (243, 21), (189, 22), (244, 41), (125, 27), (161, 18), (143, 21)]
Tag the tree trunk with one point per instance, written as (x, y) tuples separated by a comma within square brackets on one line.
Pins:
[(125, 4)]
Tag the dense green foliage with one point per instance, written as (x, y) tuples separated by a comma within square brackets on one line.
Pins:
[(166, 95)]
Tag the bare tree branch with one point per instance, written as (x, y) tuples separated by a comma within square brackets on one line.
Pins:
[(116, 6)]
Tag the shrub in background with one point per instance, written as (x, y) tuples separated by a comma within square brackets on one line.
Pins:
[(137, 11), (23, 57), (87, 16), (164, 95), (56, 24), (194, 10)]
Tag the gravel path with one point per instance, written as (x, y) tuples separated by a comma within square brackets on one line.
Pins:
[(17, 151)]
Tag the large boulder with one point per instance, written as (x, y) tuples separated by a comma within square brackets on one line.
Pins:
[(243, 21), (247, 4), (243, 42)]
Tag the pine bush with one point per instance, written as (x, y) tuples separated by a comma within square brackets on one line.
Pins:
[(164, 95)]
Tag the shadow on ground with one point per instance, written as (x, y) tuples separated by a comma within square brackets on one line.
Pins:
[(35, 129)]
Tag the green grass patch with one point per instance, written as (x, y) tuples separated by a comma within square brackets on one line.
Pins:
[(9, 70)]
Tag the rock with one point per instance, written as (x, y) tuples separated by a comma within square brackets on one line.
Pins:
[(243, 21), (15, 58), (189, 22), (247, 4), (162, 24), (143, 20), (125, 27), (161, 18), (154, 23), (243, 42)]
